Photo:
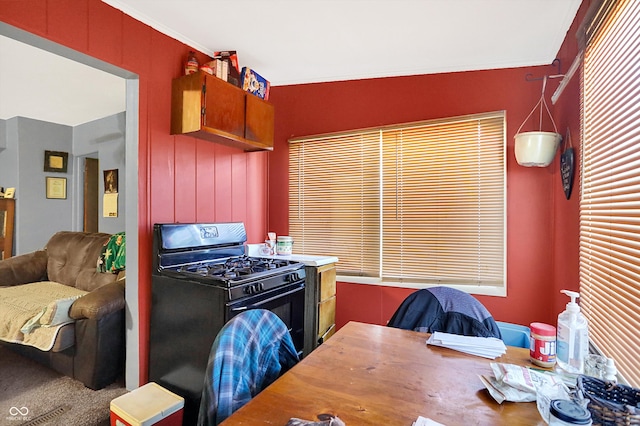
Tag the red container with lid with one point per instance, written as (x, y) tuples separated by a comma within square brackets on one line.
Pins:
[(542, 344)]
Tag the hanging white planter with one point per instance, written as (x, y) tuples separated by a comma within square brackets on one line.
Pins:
[(537, 148)]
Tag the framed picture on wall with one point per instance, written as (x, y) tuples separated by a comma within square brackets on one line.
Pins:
[(10, 193), (56, 187), (111, 181), (55, 161)]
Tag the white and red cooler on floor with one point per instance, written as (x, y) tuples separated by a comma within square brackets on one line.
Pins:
[(148, 405)]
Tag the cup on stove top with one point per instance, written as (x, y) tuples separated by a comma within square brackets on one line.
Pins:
[(268, 248)]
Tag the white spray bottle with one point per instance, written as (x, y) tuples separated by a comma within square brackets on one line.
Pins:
[(573, 337)]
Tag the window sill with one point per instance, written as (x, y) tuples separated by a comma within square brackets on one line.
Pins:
[(479, 290)]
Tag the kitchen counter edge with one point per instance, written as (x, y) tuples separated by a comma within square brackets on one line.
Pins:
[(253, 250)]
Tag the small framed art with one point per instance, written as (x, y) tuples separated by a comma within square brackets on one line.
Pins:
[(10, 193), (111, 181), (56, 187), (55, 161)]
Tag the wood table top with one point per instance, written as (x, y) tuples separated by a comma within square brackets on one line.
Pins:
[(375, 375)]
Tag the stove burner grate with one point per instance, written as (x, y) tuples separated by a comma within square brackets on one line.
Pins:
[(235, 267)]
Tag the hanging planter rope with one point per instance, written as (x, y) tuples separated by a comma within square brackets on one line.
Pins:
[(537, 149)]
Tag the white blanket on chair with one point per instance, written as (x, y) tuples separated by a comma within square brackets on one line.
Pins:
[(32, 314)]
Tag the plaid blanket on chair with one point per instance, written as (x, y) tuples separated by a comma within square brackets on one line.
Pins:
[(251, 351)]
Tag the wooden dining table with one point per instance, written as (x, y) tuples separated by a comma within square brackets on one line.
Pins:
[(375, 375)]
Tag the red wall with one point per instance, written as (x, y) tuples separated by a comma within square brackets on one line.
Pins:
[(181, 179), (185, 179), (542, 227)]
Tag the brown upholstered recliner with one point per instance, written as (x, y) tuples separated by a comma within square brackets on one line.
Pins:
[(91, 349)]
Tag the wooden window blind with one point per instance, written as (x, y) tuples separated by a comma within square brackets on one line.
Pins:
[(417, 203), (334, 199), (610, 198)]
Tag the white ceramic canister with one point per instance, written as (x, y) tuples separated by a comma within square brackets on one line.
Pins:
[(284, 245)]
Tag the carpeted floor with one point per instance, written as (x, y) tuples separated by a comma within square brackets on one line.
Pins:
[(33, 395)]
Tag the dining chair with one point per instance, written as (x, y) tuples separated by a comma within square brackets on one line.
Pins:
[(447, 310), (249, 353)]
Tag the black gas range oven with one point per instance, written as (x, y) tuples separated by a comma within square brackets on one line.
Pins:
[(201, 279)]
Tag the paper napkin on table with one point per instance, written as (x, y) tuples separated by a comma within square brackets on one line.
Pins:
[(424, 421), (487, 347)]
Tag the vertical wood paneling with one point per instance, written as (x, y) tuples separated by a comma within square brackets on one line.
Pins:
[(162, 182), (105, 34), (162, 177), (28, 15), (256, 196), (222, 184), (185, 190), (205, 181), (63, 24), (239, 187), (136, 47)]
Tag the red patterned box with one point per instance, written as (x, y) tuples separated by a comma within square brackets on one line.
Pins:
[(254, 83)]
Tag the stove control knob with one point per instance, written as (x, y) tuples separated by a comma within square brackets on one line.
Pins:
[(294, 277), (260, 286)]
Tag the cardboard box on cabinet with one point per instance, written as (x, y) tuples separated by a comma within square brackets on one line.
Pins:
[(254, 83)]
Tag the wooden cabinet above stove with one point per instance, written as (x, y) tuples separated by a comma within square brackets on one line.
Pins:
[(209, 108)]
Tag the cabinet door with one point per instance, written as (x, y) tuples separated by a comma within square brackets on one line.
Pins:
[(186, 103), (259, 125), (224, 106), (209, 108)]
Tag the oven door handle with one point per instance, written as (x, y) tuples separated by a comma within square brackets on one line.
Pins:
[(271, 299)]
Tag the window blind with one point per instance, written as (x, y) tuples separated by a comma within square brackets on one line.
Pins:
[(443, 201), (420, 203), (334, 199), (610, 197)]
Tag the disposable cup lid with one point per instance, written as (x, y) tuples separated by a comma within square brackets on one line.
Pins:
[(569, 411)]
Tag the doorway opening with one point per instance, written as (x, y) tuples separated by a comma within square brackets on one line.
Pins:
[(132, 373), (90, 195)]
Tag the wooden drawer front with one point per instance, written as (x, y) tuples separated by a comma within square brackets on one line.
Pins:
[(327, 283), (326, 315)]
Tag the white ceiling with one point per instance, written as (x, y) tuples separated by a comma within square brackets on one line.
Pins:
[(44, 86), (299, 41), (306, 41)]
